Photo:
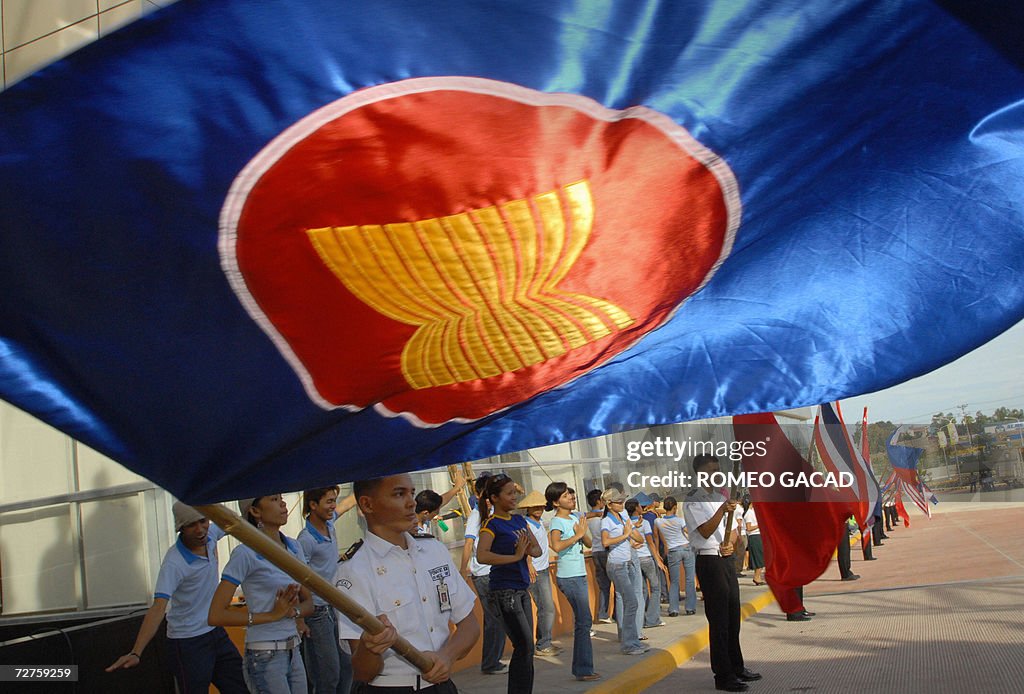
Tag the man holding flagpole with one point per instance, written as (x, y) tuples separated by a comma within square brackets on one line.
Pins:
[(704, 511)]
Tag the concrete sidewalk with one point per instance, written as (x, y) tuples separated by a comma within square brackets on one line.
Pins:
[(938, 611), (671, 645), (962, 637)]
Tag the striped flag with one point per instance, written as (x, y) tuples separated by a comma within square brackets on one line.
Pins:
[(839, 454), (904, 461)]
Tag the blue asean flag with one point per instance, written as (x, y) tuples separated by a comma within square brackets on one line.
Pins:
[(251, 247)]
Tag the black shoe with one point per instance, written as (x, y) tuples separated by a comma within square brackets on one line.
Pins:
[(746, 675), (690, 612), (871, 559), (797, 617), (673, 614), (731, 686), (809, 614), (851, 577)]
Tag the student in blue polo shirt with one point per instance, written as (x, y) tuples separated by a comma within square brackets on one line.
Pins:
[(275, 605), (199, 654), (328, 669), (505, 541)]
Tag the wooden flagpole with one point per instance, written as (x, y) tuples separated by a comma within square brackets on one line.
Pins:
[(453, 473), (246, 533)]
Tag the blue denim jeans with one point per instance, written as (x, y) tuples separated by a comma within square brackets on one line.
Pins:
[(604, 584), (625, 577), (575, 591), (639, 587), (684, 556), (649, 573), (328, 670), (494, 630), (275, 672), (517, 616), (541, 592)]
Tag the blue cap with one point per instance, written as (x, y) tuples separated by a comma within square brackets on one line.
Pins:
[(643, 499)]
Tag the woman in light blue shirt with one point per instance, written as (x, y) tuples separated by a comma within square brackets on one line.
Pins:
[(568, 537), (276, 605), (618, 534)]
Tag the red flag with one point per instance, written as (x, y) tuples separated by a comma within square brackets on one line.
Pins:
[(900, 508), (800, 529)]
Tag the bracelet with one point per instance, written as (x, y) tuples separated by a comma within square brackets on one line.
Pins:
[(135, 654), (251, 617)]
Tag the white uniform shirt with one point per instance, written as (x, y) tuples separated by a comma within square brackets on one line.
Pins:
[(407, 586), (671, 528), (698, 507), (542, 562), (473, 531), (189, 581), (751, 518), (737, 519)]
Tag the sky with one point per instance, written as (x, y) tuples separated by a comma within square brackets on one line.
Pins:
[(991, 376)]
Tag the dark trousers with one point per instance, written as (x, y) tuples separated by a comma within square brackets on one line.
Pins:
[(494, 632), (843, 556), (866, 549), (201, 660), (604, 584), (877, 532), (517, 615), (717, 576)]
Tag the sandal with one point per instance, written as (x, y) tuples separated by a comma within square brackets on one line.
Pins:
[(588, 678), (759, 583)]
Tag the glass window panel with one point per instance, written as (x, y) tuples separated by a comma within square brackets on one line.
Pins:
[(38, 561), (116, 552), (34, 457)]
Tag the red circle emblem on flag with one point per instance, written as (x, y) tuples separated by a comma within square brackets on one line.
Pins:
[(444, 248)]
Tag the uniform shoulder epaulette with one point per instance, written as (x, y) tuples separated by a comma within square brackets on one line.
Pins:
[(351, 551)]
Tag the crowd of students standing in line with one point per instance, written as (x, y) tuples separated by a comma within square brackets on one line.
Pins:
[(296, 642)]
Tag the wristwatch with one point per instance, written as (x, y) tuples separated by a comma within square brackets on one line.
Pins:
[(252, 615)]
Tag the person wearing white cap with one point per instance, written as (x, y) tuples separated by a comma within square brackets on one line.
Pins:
[(199, 654), (621, 538), (275, 605)]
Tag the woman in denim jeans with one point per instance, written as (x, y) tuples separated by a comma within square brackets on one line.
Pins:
[(673, 531), (276, 606), (618, 534), (568, 537), (504, 543)]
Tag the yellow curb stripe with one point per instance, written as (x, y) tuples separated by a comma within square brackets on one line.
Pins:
[(663, 661)]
